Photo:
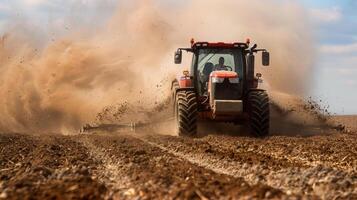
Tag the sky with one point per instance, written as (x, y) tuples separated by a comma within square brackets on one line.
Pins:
[(334, 24)]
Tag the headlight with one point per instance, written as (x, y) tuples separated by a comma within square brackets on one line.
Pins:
[(217, 80), (234, 80)]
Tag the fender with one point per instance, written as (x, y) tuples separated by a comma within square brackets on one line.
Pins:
[(184, 85), (185, 82)]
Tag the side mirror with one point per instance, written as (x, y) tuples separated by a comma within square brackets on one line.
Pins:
[(265, 58), (178, 56)]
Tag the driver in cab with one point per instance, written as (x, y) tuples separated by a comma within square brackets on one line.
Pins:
[(220, 66)]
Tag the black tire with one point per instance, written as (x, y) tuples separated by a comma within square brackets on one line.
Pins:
[(259, 113), (175, 85), (186, 113)]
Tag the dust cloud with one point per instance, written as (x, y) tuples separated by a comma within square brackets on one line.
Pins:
[(127, 66)]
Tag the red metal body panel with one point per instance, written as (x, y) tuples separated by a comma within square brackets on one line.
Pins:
[(221, 74), (224, 74), (185, 82)]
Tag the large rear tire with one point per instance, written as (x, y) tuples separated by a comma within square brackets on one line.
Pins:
[(259, 113), (186, 113), (175, 85)]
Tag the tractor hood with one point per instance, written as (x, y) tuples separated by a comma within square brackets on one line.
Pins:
[(224, 74), (224, 85)]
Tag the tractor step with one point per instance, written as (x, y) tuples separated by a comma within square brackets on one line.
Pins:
[(228, 107)]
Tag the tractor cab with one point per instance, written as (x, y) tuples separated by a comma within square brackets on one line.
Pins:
[(212, 62)]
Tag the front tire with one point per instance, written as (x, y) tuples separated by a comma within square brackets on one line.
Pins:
[(186, 113), (259, 113)]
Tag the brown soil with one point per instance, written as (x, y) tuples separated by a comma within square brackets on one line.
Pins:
[(119, 164), (349, 121)]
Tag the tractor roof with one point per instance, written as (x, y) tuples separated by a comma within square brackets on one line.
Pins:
[(218, 45), (222, 45)]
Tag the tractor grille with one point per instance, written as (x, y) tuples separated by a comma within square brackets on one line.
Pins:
[(225, 90)]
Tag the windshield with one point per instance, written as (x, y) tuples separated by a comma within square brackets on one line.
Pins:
[(217, 60)]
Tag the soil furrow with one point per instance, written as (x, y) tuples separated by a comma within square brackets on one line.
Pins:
[(155, 173), (109, 170), (322, 181), (308, 151), (56, 168)]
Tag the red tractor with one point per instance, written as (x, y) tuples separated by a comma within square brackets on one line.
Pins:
[(221, 86)]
